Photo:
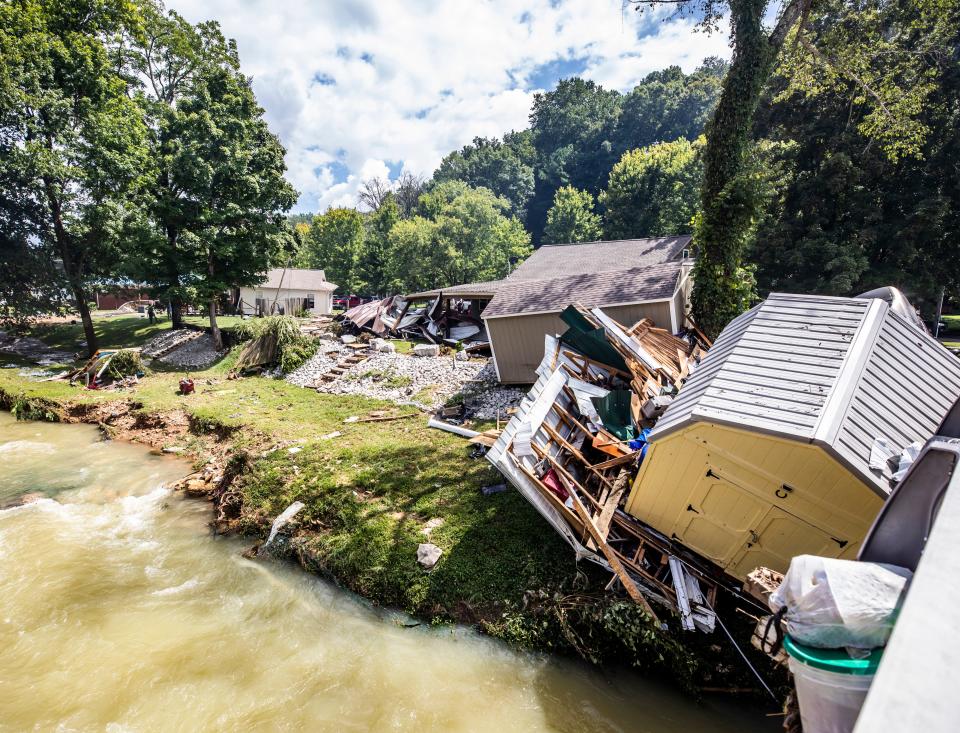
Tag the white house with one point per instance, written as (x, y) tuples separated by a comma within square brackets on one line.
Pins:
[(287, 290)]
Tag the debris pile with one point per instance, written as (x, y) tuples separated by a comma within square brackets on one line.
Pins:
[(576, 440), (458, 323)]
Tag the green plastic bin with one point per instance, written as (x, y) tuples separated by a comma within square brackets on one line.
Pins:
[(831, 685)]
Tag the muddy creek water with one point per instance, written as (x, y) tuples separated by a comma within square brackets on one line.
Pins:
[(120, 612)]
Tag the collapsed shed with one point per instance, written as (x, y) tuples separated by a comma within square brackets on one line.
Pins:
[(785, 440)]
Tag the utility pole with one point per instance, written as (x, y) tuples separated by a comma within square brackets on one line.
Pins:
[(936, 325)]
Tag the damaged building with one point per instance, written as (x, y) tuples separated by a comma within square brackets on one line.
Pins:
[(681, 465)]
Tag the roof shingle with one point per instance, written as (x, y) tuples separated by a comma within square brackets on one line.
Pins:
[(596, 289)]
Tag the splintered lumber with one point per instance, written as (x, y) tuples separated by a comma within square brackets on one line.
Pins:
[(487, 437), (612, 501), (629, 585)]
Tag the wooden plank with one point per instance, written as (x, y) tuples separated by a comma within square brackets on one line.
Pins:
[(629, 585)]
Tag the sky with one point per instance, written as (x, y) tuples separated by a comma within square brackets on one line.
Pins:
[(362, 88)]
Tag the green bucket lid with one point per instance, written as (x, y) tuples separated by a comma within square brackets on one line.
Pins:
[(833, 660)]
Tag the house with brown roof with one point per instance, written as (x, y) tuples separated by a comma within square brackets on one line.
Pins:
[(630, 279)]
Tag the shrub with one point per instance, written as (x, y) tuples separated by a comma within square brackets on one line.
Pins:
[(293, 347), (125, 363)]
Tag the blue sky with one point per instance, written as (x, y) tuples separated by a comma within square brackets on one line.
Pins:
[(362, 88)]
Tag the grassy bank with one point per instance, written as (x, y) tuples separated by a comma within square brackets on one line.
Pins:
[(372, 492)]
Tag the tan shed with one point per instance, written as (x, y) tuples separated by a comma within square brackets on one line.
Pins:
[(775, 445), (629, 279)]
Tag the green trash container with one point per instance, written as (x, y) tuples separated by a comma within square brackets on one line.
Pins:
[(831, 685)]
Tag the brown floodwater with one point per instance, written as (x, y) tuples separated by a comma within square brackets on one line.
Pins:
[(120, 612)]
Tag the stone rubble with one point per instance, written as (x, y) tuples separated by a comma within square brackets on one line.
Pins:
[(194, 353)]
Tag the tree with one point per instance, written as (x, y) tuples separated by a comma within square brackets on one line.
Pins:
[(165, 55), (229, 169), (407, 191), (372, 192), (374, 261), (571, 128), (335, 244), (571, 218), (506, 168), (73, 139), (851, 216), (831, 54), (462, 234), (654, 191), (668, 105)]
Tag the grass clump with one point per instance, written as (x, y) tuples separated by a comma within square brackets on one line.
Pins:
[(293, 346), (126, 363)]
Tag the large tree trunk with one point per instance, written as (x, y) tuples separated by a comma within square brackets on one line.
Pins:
[(71, 267), (88, 331), (728, 208), (176, 302), (176, 312), (214, 328), (212, 309)]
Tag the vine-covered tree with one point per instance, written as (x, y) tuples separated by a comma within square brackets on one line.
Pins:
[(654, 191), (572, 218), (374, 260)]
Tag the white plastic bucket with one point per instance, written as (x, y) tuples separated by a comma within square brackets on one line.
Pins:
[(829, 702)]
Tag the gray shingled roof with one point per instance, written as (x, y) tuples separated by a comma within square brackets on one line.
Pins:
[(486, 288), (838, 372), (560, 260), (635, 285)]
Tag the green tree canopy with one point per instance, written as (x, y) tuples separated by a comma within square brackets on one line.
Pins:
[(335, 244), (572, 218), (375, 256), (72, 138), (654, 191), (506, 168), (461, 234)]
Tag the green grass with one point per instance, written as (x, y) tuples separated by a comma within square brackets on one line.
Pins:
[(113, 332)]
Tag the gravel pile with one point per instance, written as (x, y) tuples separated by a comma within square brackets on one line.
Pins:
[(195, 353), (33, 349), (424, 381), (310, 371), (487, 399)]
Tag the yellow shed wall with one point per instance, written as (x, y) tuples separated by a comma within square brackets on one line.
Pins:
[(744, 499), (518, 340)]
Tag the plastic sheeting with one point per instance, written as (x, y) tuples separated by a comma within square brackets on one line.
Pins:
[(834, 604)]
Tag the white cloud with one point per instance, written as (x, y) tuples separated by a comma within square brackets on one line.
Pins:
[(355, 87)]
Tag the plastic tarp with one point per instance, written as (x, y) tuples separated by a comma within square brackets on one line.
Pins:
[(589, 341), (834, 604), (614, 411)]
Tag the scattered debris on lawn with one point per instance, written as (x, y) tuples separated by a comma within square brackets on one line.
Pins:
[(458, 323)]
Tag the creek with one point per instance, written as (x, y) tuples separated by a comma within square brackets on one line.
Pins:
[(120, 611)]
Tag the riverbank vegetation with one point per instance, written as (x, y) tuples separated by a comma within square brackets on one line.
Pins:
[(372, 492)]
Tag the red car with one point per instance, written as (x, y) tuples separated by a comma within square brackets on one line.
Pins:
[(346, 302)]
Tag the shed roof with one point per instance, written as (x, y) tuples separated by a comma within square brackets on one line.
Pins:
[(838, 372), (591, 289), (560, 260), (297, 279), (484, 289)]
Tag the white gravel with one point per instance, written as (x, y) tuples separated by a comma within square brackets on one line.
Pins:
[(197, 353), (424, 381)]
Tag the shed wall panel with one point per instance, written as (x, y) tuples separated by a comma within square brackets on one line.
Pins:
[(745, 499), (518, 340)]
